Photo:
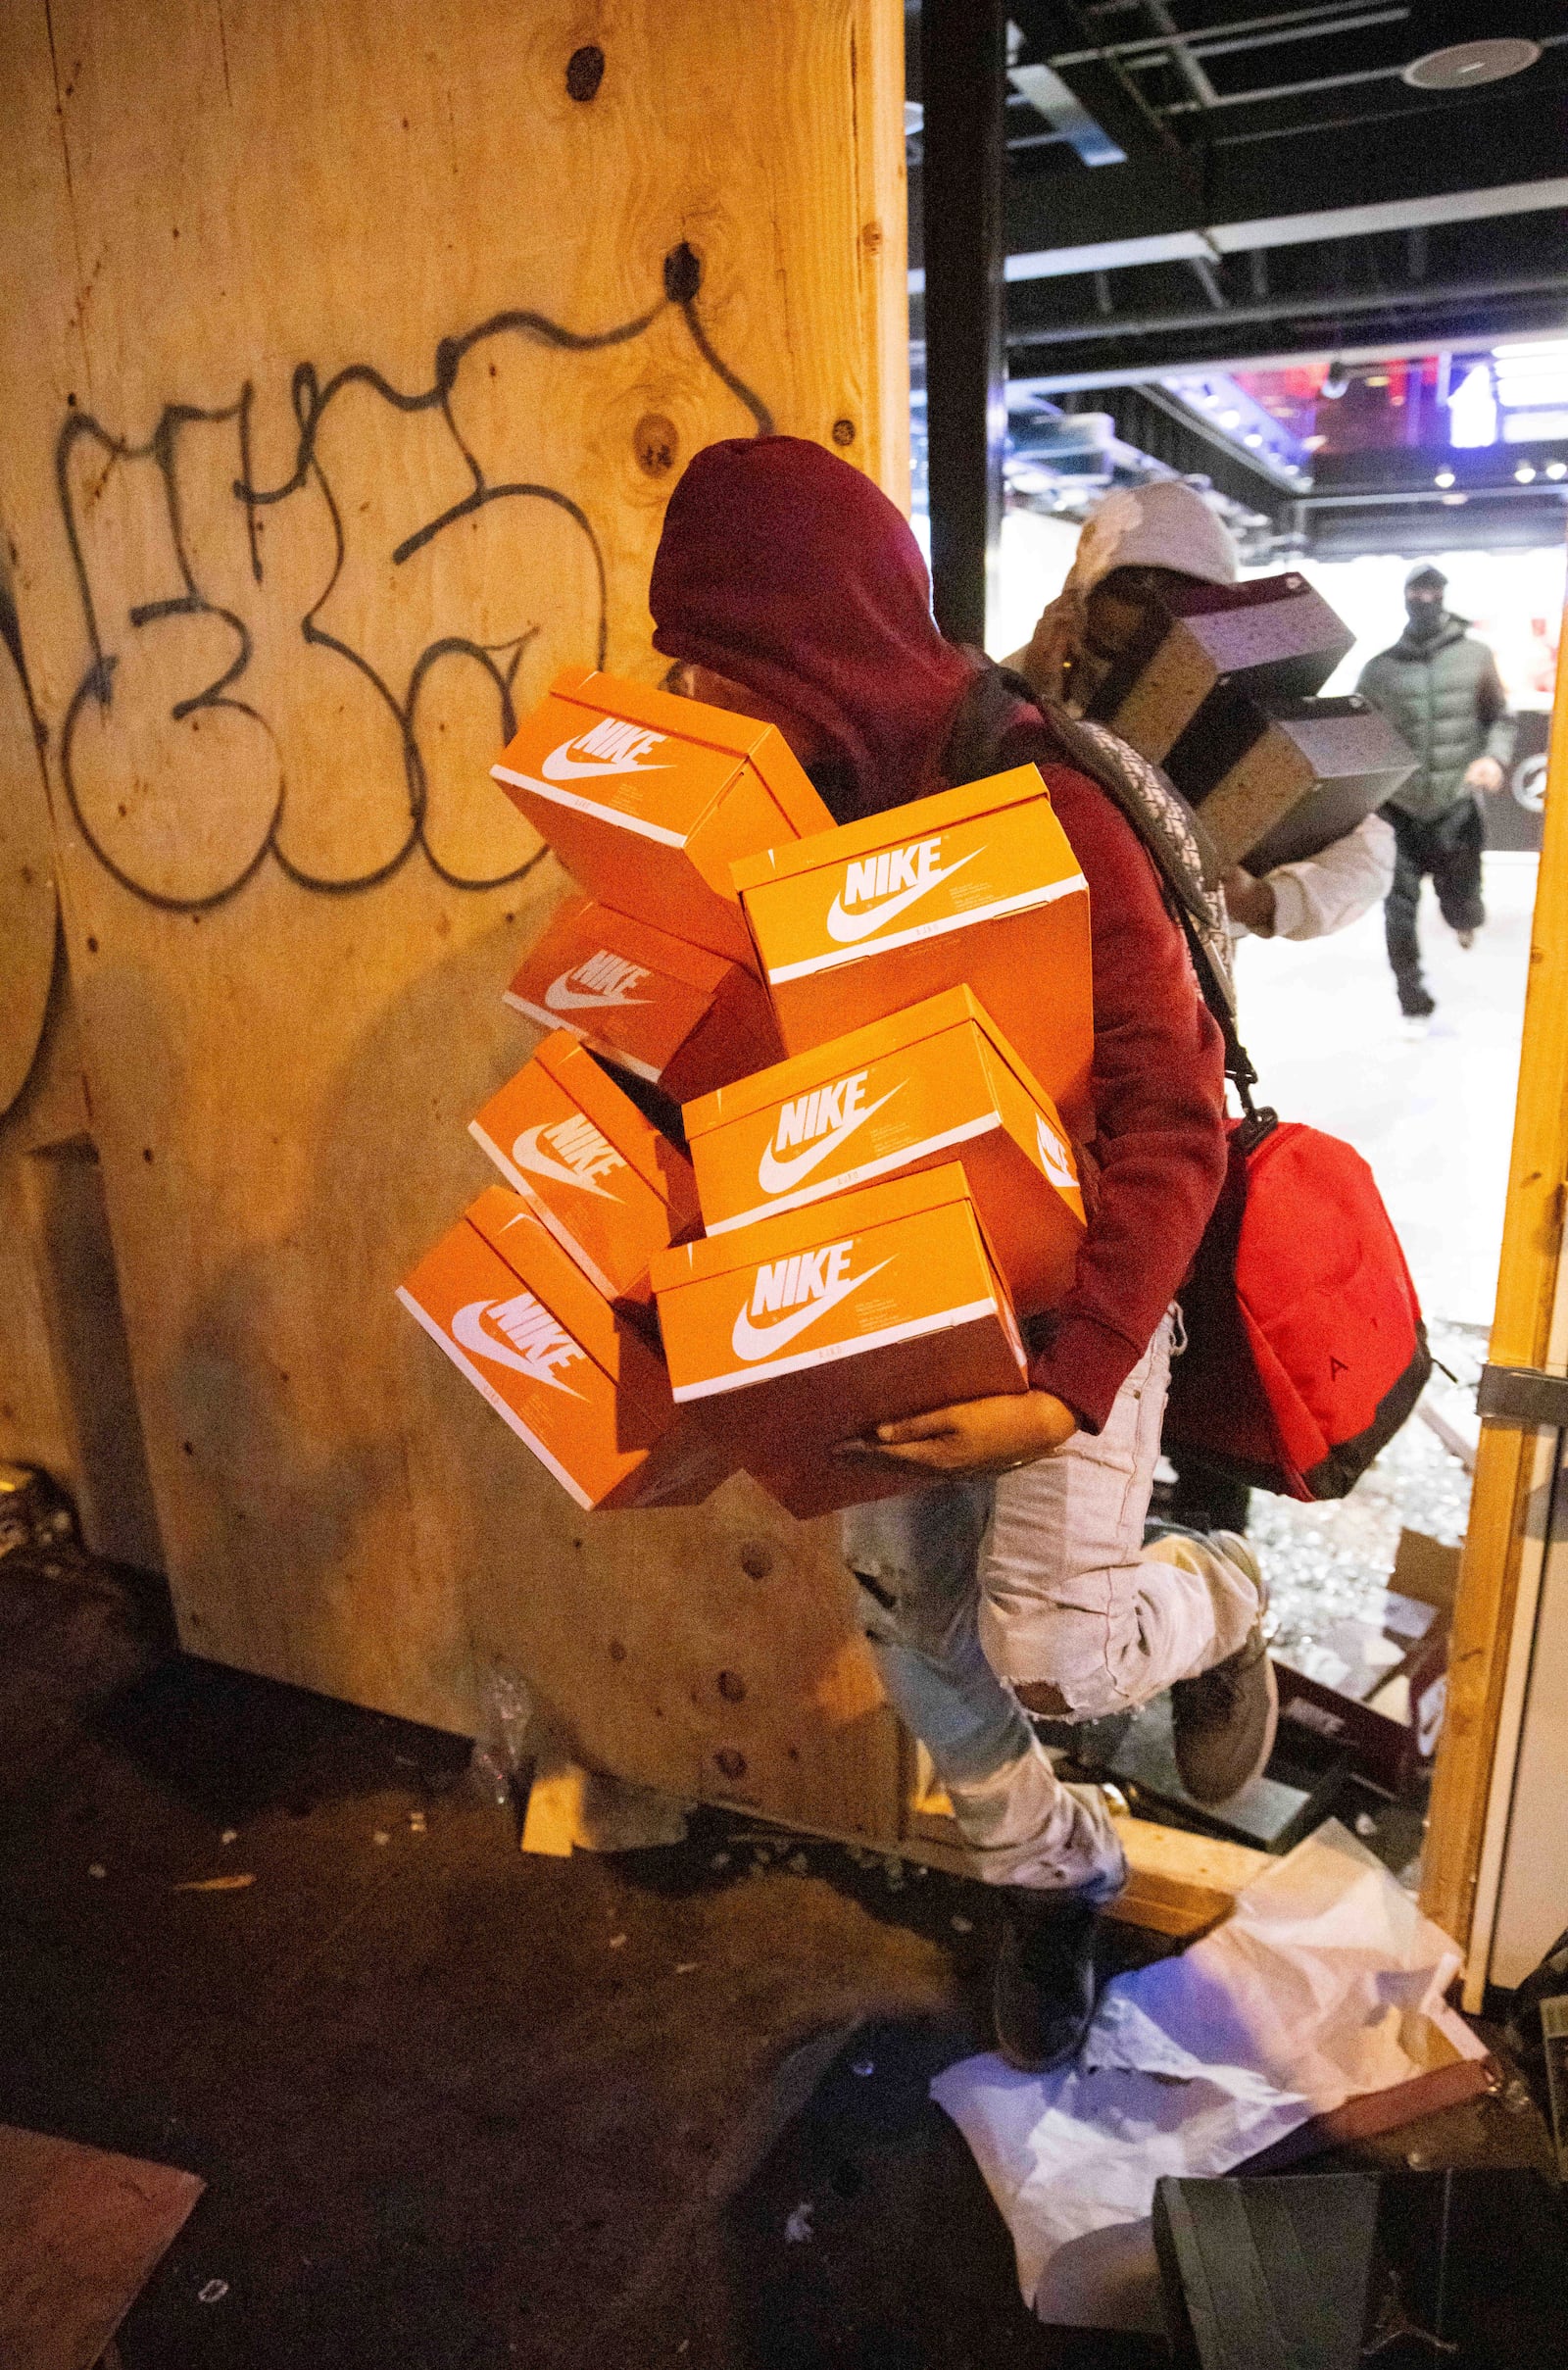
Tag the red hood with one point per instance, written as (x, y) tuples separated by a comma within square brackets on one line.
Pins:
[(788, 570)]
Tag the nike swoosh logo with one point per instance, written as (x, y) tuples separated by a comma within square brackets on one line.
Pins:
[(564, 998), (777, 1176), (1054, 1154), (848, 928), (468, 1331), (753, 1342), (527, 1154), (562, 767)]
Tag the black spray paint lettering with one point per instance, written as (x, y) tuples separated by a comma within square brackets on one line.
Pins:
[(312, 400)]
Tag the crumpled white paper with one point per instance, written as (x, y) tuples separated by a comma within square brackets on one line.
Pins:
[(1312, 1993)]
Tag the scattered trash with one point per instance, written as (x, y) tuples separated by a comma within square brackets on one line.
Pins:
[(215, 1884), (863, 2066), (230, 1835), (1365, 1824), (798, 2229), (1196, 2063), (617, 1942), (800, 1865), (1417, 2159), (688, 1967), (97, 1869), (961, 1925), (381, 1836), (503, 1745), (893, 1876), (720, 1859), (214, 2292), (417, 1822), (1516, 2093)]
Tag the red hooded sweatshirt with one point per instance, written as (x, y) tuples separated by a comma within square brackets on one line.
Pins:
[(785, 568)]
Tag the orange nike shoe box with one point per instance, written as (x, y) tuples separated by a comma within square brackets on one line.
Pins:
[(938, 1082), (647, 799), (802, 1330), (976, 887), (576, 1381), (601, 1178), (685, 1020)]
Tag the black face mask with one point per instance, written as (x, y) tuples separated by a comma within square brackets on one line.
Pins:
[(1425, 618)]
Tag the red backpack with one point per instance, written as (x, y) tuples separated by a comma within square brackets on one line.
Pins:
[(1305, 1350)]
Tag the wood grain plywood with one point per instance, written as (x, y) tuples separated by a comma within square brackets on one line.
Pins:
[(80, 2230), (356, 365)]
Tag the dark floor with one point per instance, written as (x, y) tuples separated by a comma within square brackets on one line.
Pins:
[(460, 2109)]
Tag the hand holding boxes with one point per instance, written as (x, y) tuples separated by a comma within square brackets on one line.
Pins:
[(801, 1331)]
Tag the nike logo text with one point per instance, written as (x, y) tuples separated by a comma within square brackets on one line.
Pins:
[(609, 747), (831, 1114), (604, 980), (580, 1154), (896, 878), (807, 1285), (534, 1343)]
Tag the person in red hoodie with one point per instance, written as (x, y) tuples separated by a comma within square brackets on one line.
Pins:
[(1012, 1579)]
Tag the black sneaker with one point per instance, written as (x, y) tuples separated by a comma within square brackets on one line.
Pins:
[(1224, 1720), (1042, 1999)]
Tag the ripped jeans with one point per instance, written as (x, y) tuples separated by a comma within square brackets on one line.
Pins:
[(1034, 1578)]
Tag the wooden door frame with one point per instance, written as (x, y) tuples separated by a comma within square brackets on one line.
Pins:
[(1500, 1576)]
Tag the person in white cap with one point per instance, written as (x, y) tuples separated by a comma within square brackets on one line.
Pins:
[(1168, 527)]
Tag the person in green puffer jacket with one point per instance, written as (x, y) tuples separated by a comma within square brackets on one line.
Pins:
[(1439, 687)]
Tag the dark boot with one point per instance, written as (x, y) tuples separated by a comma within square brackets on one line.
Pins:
[(1224, 1720), (1047, 1983)]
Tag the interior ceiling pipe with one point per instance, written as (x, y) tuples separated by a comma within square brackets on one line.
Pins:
[(963, 58), (1430, 295)]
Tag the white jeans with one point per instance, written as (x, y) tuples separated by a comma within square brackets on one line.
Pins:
[(1040, 1578)]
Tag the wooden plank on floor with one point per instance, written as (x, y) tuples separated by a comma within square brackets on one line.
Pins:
[(80, 2230), (1177, 1884)]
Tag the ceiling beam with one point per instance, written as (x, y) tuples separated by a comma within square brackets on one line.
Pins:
[(1447, 164)]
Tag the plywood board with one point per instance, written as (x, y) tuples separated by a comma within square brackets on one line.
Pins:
[(355, 359), (80, 2230)]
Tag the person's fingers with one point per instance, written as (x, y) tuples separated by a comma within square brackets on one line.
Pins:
[(935, 1453), (938, 1426)]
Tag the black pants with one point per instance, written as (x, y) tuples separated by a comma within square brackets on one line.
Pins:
[(1449, 851), (1203, 1498)]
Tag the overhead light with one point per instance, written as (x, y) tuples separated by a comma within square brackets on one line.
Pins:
[(1524, 474), (1454, 502), (1231, 418), (1252, 438), (1313, 444), (1557, 469), (1466, 65), (1444, 477), (1336, 380)]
